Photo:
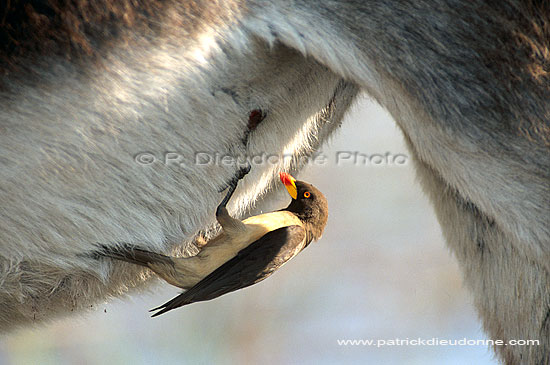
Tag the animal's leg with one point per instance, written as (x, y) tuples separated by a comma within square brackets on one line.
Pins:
[(511, 290)]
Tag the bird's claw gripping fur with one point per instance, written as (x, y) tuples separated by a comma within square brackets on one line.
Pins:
[(243, 170), (232, 185)]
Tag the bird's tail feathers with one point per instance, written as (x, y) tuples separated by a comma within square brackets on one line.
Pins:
[(135, 255)]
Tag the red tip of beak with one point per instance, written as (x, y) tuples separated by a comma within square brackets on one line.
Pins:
[(285, 178)]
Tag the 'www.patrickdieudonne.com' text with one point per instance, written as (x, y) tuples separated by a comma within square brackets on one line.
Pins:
[(434, 342)]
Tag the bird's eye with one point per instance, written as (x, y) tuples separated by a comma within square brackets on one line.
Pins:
[(307, 194)]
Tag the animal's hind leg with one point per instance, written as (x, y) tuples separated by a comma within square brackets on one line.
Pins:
[(511, 288)]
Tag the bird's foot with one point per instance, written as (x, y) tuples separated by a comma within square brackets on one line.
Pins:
[(241, 173), (232, 187)]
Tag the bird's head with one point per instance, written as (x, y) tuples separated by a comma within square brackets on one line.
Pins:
[(308, 204)]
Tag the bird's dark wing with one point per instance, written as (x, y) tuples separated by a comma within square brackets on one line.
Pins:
[(251, 265)]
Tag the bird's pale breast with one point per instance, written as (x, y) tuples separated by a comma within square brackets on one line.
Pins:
[(226, 245)]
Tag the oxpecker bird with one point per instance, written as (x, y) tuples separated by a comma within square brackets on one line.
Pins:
[(244, 253)]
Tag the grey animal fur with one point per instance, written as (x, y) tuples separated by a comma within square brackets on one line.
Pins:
[(467, 82)]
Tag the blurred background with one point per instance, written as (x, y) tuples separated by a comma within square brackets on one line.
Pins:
[(380, 272)]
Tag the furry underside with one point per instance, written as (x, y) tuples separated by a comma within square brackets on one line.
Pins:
[(73, 178)]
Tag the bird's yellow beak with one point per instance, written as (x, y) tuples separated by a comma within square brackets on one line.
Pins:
[(288, 181)]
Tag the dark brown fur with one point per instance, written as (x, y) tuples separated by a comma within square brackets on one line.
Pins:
[(83, 30)]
